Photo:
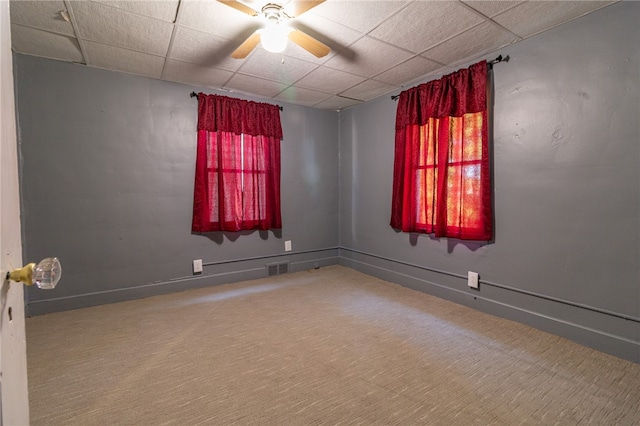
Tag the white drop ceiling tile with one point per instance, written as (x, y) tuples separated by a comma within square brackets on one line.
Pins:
[(337, 103), (370, 57), (31, 41), (300, 96), (329, 80), (424, 24), (116, 27), (257, 4), (254, 86), (215, 18), (117, 59), (165, 10), (484, 38), (44, 15), (362, 16), (491, 8), (331, 33), (203, 49), (368, 90), (408, 71), (533, 17), (184, 72), (294, 51), (270, 66)]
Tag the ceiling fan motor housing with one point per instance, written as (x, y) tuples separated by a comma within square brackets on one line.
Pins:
[(274, 13)]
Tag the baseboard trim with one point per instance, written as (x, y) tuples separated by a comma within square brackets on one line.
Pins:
[(587, 335), (78, 301), (243, 273)]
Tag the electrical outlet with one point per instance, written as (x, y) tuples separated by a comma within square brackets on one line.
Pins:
[(197, 266), (287, 245), (473, 279)]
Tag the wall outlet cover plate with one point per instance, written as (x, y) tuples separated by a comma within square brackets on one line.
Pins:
[(197, 266), (473, 279)]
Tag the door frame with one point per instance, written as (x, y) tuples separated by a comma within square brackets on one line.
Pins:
[(14, 396)]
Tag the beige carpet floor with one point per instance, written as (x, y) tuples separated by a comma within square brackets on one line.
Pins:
[(325, 347)]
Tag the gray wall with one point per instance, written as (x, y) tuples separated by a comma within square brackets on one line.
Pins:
[(107, 186), (567, 190)]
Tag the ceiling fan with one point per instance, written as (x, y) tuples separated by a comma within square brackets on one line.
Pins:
[(276, 31)]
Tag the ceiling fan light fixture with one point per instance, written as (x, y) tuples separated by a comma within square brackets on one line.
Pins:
[(275, 32), (274, 37)]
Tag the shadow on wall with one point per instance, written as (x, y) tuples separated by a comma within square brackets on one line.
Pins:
[(451, 242), (219, 237)]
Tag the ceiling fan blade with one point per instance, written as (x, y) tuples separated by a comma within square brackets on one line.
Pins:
[(247, 46), (239, 6), (298, 7), (308, 43)]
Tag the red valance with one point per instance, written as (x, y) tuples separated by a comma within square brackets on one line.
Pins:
[(221, 113), (453, 95)]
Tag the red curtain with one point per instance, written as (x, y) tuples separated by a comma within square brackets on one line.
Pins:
[(237, 180), (441, 181)]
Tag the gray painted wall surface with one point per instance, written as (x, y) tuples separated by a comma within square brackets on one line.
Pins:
[(567, 189), (107, 186)]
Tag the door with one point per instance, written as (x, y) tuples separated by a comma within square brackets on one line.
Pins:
[(14, 406)]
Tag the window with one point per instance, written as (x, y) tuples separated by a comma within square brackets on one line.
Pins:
[(237, 182), (442, 183)]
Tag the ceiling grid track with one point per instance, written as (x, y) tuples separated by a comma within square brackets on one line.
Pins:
[(74, 24)]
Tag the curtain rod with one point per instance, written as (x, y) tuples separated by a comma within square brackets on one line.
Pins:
[(490, 64), (195, 95)]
